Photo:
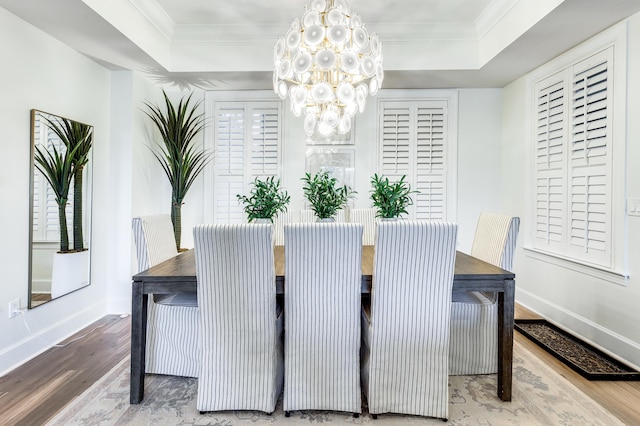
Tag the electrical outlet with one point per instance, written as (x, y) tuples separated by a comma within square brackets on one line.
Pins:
[(14, 308)]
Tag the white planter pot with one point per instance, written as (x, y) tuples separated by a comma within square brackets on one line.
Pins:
[(70, 272)]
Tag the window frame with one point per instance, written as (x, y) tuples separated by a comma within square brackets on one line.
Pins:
[(616, 39), (248, 99), (448, 100)]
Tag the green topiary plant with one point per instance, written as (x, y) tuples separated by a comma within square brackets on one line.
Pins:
[(324, 196), (390, 199), (179, 157), (265, 200)]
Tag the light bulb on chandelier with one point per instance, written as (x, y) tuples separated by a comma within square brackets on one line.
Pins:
[(327, 64)]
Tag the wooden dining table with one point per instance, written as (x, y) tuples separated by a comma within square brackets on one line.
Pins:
[(178, 274)]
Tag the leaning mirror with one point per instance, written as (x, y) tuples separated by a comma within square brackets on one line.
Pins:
[(60, 211)]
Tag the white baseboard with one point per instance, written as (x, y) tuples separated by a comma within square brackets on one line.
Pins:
[(609, 342), (38, 341)]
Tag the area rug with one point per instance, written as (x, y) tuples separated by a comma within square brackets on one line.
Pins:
[(540, 397), (591, 363)]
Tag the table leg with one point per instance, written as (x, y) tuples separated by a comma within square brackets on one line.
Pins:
[(506, 306), (138, 342)]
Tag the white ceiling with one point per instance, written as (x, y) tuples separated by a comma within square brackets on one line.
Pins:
[(226, 44)]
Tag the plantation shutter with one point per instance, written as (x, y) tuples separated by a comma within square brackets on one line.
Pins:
[(430, 163), (413, 143), (573, 162), (247, 145), (590, 160), (550, 158)]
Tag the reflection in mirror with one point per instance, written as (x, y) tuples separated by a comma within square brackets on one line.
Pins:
[(60, 206)]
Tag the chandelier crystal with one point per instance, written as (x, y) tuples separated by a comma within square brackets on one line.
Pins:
[(327, 64)]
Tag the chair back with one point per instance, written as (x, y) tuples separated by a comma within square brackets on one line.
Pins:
[(323, 266), (291, 216), (237, 300), (411, 303), (154, 239), (367, 217), (495, 239)]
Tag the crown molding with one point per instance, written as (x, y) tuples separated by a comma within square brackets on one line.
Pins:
[(156, 16), (492, 14), (262, 33)]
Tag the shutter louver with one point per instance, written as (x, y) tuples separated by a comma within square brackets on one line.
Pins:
[(430, 164), (395, 141), (590, 158), (550, 162), (265, 137)]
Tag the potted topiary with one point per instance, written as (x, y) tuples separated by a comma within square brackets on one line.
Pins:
[(325, 197), (265, 200), (180, 158), (390, 199)]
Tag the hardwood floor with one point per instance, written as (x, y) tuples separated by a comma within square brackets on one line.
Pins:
[(37, 390), (621, 398)]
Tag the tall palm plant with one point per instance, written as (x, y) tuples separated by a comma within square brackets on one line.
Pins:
[(181, 160), (57, 168), (78, 139)]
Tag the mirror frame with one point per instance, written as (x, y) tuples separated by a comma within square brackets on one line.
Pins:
[(87, 199)]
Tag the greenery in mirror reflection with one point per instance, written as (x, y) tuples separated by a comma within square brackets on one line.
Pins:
[(78, 139)]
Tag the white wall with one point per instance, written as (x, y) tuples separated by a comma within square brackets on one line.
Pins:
[(40, 72), (603, 312)]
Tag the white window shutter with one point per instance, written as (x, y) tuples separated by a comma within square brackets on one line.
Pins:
[(395, 128), (413, 142), (550, 160), (430, 163), (590, 160), (573, 162), (247, 144), (265, 138)]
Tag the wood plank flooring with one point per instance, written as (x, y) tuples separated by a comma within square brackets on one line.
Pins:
[(37, 390)]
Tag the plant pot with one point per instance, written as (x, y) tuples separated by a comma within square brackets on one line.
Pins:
[(261, 221), (70, 272), (327, 219)]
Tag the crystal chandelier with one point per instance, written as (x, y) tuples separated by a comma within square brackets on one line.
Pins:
[(327, 64)]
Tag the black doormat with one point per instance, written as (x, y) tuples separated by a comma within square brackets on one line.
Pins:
[(583, 358)]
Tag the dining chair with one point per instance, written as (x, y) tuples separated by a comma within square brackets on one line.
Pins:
[(323, 266), (308, 216), (406, 330), (241, 356), (367, 217), (474, 315), (291, 216), (172, 319)]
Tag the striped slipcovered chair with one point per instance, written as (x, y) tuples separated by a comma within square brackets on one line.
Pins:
[(291, 216), (307, 216), (474, 315), (323, 264), (241, 364), (172, 319), (367, 217), (406, 332)]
